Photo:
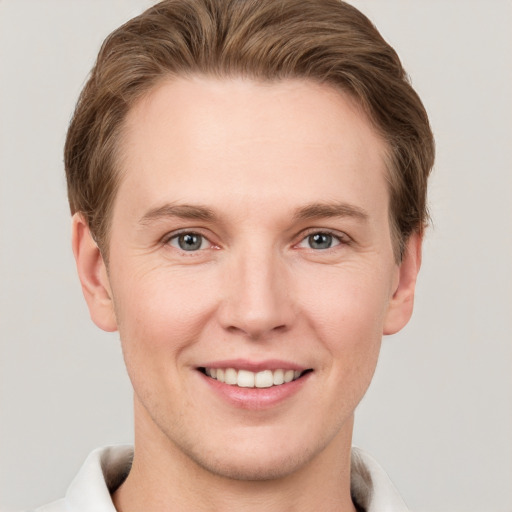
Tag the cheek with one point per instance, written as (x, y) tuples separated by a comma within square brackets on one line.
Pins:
[(347, 303), (159, 317), (347, 314), (161, 312)]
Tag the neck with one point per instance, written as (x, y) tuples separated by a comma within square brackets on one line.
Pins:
[(164, 478)]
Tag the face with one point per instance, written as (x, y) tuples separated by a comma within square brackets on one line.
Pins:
[(251, 272)]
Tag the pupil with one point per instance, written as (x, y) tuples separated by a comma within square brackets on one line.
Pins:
[(190, 242), (320, 241)]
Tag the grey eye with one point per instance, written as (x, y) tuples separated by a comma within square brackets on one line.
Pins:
[(320, 241), (188, 241)]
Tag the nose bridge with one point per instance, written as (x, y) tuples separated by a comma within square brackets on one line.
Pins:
[(258, 299)]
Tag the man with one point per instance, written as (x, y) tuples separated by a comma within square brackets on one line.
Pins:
[(248, 187)]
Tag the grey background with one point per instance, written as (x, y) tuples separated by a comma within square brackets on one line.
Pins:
[(438, 416)]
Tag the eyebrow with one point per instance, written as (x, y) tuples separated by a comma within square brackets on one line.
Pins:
[(182, 211), (307, 212), (326, 210)]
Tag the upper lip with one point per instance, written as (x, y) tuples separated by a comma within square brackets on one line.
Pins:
[(254, 366)]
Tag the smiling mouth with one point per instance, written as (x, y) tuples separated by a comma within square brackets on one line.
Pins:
[(248, 379)]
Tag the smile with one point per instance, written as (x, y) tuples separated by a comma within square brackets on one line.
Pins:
[(248, 379)]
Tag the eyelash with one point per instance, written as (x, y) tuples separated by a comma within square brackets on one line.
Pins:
[(340, 238), (175, 236)]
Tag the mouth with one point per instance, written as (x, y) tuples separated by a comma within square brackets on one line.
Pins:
[(247, 379)]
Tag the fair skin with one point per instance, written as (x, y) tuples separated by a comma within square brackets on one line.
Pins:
[(249, 235)]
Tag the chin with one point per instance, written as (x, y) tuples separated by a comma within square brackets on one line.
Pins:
[(240, 466), (253, 457)]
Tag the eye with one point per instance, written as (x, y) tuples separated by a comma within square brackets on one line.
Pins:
[(320, 241), (189, 242)]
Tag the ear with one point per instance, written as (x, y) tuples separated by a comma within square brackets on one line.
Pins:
[(402, 302), (93, 275)]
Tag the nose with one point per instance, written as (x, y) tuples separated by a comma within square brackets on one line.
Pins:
[(257, 301)]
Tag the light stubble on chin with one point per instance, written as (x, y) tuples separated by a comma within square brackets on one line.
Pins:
[(253, 468)]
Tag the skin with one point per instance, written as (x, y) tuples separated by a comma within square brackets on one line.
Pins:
[(271, 165)]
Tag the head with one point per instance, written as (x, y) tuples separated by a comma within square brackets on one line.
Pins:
[(254, 175), (326, 42)]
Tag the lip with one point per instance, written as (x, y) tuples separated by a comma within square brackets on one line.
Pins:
[(254, 398), (254, 366)]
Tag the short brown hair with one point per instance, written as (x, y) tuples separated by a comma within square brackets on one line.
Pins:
[(326, 41)]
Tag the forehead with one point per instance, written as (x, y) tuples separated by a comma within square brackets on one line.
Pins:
[(239, 139)]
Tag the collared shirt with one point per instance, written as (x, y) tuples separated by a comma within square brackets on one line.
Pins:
[(106, 468)]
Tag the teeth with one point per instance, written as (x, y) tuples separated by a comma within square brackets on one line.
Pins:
[(288, 375), (278, 377), (264, 379), (247, 379), (230, 376)]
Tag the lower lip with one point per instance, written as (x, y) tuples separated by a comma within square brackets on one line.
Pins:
[(255, 398)]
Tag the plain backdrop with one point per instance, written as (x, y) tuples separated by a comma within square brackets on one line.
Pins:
[(438, 416)]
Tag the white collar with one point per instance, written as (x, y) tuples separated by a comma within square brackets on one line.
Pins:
[(371, 487)]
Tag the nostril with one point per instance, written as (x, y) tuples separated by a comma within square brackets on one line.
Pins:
[(256, 332)]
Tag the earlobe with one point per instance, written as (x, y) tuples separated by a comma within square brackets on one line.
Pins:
[(93, 275), (402, 302)]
